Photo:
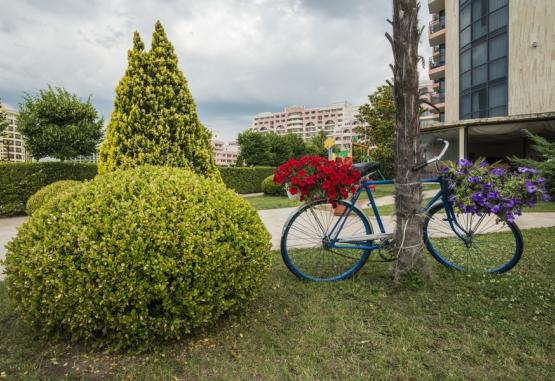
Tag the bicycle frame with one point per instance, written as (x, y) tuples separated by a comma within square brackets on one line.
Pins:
[(441, 195)]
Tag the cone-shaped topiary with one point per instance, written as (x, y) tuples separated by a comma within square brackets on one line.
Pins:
[(136, 256), (155, 119)]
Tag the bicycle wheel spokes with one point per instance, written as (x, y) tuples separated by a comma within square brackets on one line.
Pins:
[(306, 247), (477, 243)]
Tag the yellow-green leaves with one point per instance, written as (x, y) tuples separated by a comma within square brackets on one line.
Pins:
[(136, 256), (155, 119)]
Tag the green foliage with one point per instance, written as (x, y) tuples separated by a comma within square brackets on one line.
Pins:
[(3, 119), (58, 124), (245, 179), (379, 113), (546, 163), (137, 256), (270, 149), (315, 145), (19, 181), (48, 193), (272, 189), (155, 119)]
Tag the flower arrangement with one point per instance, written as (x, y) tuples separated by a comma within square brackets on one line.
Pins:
[(482, 188), (314, 177)]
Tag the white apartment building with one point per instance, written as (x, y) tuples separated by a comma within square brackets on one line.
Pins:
[(337, 120), (11, 142), (225, 153)]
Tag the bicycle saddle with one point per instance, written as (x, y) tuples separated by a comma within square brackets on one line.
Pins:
[(366, 168)]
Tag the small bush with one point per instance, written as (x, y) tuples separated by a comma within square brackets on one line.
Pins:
[(136, 256), (272, 189), (19, 181), (245, 179), (48, 193)]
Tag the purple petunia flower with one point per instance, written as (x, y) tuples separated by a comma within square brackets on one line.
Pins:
[(546, 197), (465, 163), (497, 171), (483, 164), (527, 170)]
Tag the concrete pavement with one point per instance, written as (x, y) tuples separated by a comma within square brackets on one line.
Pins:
[(274, 220)]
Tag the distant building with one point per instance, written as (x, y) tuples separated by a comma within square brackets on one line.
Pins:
[(225, 153), (337, 120), (11, 142)]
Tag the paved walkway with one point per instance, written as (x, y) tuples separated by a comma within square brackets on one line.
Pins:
[(274, 220)]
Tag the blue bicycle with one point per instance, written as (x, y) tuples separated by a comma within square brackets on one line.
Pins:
[(319, 243)]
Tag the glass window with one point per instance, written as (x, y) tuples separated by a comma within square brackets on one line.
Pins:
[(498, 69), (498, 95), (479, 54), (498, 47), (465, 81), (465, 17), (479, 9), (465, 105), (479, 75), (480, 28), (465, 37), (496, 4), (479, 103), (498, 19), (465, 61)]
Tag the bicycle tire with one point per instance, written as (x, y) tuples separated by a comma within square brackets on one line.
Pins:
[(500, 248), (303, 259)]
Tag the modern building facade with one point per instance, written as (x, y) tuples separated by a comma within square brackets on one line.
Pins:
[(337, 120), (11, 142), (225, 153), (493, 73)]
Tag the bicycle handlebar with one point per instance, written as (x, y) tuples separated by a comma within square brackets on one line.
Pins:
[(433, 159)]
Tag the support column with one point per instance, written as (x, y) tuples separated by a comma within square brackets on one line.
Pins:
[(463, 137)]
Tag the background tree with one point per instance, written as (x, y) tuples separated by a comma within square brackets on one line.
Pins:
[(408, 190), (379, 116), (255, 148), (155, 119), (3, 119), (268, 148), (315, 145), (58, 124), (546, 164)]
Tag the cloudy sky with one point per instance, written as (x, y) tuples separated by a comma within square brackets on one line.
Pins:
[(241, 57)]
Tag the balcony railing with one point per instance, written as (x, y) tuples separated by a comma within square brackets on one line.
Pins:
[(438, 97), (437, 62), (437, 25)]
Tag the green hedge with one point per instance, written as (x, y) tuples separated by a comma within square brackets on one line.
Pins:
[(19, 181), (245, 179), (272, 189)]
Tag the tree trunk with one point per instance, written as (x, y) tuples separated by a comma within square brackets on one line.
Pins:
[(408, 191)]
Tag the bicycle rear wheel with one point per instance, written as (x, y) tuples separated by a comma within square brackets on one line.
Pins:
[(487, 245), (303, 242)]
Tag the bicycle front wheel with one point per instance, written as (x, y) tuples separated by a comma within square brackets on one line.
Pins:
[(305, 242), (471, 242)]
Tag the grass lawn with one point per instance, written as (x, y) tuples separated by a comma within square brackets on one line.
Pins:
[(453, 326)]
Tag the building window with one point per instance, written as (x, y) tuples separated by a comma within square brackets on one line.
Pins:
[(483, 58)]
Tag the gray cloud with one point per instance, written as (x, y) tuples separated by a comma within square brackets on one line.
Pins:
[(241, 57)]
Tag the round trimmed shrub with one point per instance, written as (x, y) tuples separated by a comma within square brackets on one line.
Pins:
[(48, 193), (272, 189), (137, 256)]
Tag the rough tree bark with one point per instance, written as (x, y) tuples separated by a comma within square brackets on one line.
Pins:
[(408, 191)]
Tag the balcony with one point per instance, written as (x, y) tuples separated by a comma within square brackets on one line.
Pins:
[(437, 68), (438, 99), (434, 6), (436, 31)]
